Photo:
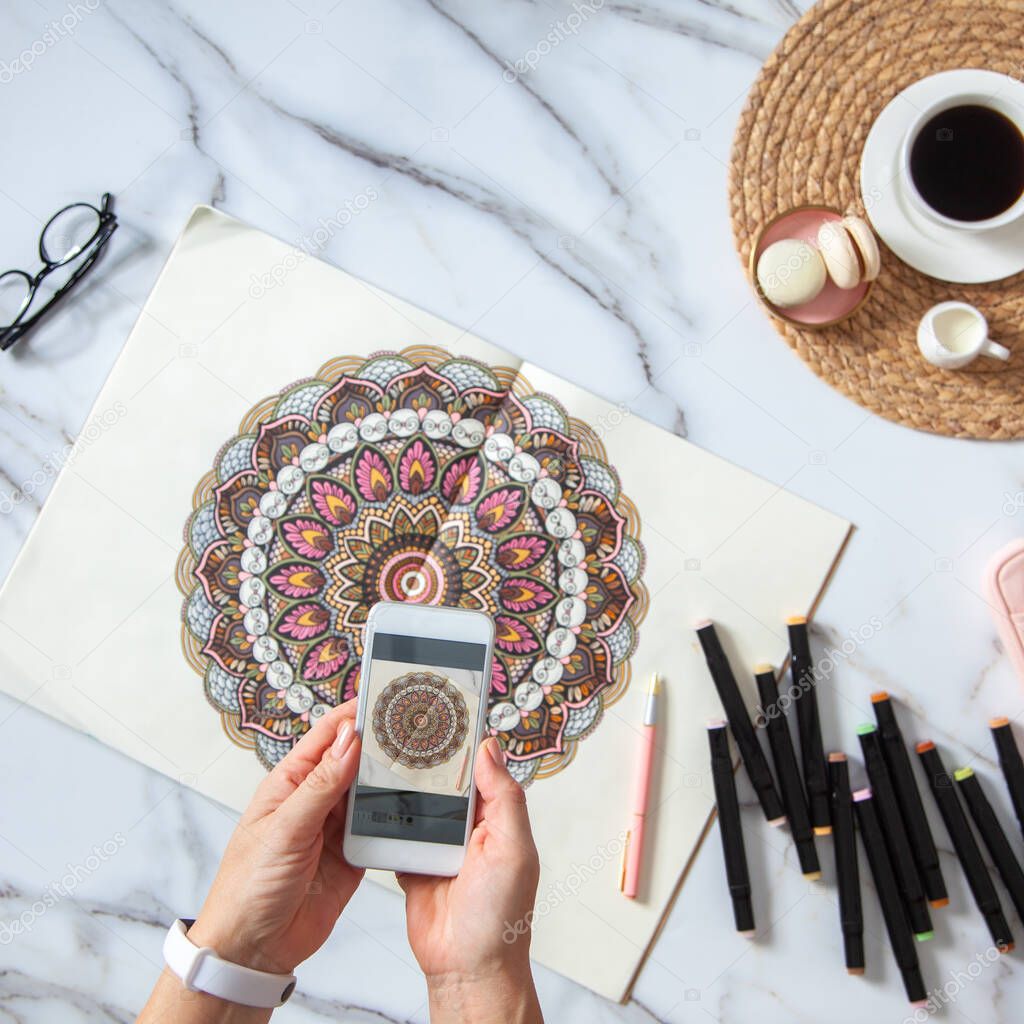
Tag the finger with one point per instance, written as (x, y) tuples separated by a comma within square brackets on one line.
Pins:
[(302, 815), (417, 888), (289, 772), (502, 800)]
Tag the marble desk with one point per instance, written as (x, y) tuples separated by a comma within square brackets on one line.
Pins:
[(553, 177)]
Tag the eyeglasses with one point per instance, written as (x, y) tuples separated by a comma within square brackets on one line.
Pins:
[(69, 245)]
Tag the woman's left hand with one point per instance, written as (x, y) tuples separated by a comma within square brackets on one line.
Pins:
[(283, 880)]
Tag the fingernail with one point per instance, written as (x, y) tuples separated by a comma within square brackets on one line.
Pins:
[(496, 752), (344, 740)]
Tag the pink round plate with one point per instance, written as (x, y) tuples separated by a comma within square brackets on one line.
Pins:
[(832, 304)]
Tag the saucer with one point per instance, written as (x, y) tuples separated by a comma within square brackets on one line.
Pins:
[(833, 304), (964, 257)]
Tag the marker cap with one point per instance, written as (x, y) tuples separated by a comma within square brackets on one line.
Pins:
[(743, 912), (854, 945)]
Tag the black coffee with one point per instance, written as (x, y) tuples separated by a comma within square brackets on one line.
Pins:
[(968, 162)]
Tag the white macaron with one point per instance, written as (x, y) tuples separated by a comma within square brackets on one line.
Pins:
[(840, 256), (867, 246), (790, 272)]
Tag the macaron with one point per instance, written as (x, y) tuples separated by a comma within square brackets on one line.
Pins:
[(838, 252), (790, 272), (867, 246), (850, 251)]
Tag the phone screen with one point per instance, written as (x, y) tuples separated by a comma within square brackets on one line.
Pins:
[(419, 731)]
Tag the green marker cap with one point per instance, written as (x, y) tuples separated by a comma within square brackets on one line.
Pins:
[(963, 773), (924, 936), (866, 727)]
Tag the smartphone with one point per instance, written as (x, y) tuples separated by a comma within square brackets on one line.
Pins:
[(422, 703)]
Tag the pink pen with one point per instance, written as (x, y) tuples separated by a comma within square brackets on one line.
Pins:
[(634, 851)]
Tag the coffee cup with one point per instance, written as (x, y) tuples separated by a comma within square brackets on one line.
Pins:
[(962, 161), (952, 334)]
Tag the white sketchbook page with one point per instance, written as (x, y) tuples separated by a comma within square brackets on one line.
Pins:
[(107, 658)]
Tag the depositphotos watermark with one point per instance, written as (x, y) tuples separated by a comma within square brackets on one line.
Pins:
[(311, 244), (822, 671), (57, 30), (72, 878), (64, 456), (558, 32), (958, 980), (566, 888), (1013, 502)]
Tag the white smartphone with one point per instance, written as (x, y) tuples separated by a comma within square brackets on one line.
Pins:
[(423, 689)]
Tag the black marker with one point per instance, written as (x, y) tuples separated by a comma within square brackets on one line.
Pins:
[(896, 840), (851, 914), (922, 845), (978, 878), (812, 751), (736, 872), (889, 897), (788, 772), (1013, 766), (993, 835), (739, 721)]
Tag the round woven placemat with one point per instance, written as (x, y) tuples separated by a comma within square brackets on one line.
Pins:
[(799, 140)]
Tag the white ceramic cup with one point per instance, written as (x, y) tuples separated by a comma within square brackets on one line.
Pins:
[(952, 334), (959, 98)]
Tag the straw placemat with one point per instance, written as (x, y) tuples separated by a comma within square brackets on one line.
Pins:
[(799, 140)]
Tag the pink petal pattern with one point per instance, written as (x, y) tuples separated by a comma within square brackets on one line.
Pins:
[(500, 509), (325, 659), (333, 502), (297, 580), (523, 551), (350, 687), (462, 480), (373, 476), (513, 636), (499, 677), (304, 621), (417, 468), (308, 538), (522, 594)]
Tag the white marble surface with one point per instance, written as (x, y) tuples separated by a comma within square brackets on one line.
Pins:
[(575, 214)]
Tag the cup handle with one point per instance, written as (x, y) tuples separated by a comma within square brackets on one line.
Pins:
[(993, 348)]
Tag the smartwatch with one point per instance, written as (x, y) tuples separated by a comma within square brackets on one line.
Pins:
[(201, 970)]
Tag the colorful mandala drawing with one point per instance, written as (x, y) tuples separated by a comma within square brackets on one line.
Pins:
[(412, 476), (420, 720)]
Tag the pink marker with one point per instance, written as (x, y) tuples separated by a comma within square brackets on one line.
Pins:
[(634, 851)]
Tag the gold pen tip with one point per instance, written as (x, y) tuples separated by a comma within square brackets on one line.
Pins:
[(654, 686)]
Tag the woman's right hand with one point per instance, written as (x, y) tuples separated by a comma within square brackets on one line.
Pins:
[(471, 933)]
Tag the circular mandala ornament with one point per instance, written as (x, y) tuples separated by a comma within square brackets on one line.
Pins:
[(421, 477), (420, 720)]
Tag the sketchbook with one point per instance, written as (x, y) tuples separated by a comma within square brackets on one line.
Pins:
[(287, 445)]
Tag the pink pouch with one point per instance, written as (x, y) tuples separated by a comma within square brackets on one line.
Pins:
[(1004, 588)]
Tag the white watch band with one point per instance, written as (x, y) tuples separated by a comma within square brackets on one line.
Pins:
[(201, 970)]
